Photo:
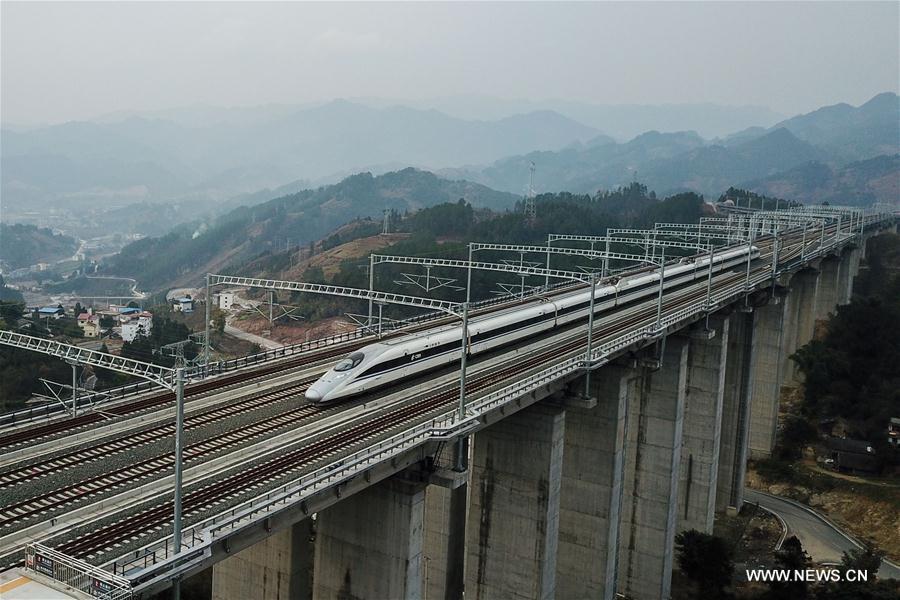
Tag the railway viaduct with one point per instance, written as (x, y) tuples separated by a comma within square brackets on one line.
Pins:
[(568, 495), (574, 482)]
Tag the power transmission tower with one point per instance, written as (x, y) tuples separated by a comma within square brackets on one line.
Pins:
[(386, 224), (530, 209)]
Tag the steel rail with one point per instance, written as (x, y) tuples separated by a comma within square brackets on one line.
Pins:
[(109, 447)]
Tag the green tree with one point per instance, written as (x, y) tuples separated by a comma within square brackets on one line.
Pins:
[(796, 433), (10, 313), (791, 557), (868, 560), (706, 560), (70, 328)]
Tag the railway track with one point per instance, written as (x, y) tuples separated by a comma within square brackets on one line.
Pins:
[(41, 505), (191, 392), (157, 466), (194, 502), (33, 434), (109, 448)]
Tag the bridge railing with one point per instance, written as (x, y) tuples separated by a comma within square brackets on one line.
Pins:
[(50, 408), (76, 574)]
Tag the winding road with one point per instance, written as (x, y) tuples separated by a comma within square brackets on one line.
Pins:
[(821, 539)]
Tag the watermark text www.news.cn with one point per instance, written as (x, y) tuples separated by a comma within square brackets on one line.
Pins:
[(807, 575)]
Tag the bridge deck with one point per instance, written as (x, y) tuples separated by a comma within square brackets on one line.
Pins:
[(286, 459), (16, 586)]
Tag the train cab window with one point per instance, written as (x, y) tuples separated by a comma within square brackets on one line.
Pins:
[(352, 360)]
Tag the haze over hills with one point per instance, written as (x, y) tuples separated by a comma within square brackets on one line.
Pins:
[(204, 154), (183, 255), (859, 183), (670, 163), (622, 121), (852, 133), (25, 245), (203, 161), (162, 160)]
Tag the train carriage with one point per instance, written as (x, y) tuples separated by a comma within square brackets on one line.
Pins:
[(389, 362)]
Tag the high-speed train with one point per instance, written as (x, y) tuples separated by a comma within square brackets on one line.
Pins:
[(391, 361)]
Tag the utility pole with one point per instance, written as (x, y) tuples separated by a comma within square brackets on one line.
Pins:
[(775, 254), (74, 389), (547, 277), (177, 349), (462, 442), (206, 337), (371, 288), (590, 339), (662, 278), (179, 447), (469, 277), (803, 245)]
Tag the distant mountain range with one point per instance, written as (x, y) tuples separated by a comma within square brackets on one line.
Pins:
[(850, 133), (674, 162), (155, 159), (183, 255), (622, 121), (205, 161)]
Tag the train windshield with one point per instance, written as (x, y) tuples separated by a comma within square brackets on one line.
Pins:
[(349, 362)]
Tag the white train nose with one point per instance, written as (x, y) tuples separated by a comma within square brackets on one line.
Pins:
[(313, 396)]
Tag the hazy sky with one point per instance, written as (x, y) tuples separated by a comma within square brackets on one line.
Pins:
[(63, 61)]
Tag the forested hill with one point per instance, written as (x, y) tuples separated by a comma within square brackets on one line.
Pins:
[(444, 230), (860, 183), (26, 245), (189, 251)]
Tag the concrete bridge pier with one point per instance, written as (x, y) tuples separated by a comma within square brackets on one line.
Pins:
[(370, 545), (652, 468), (805, 284), (855, 259), (513, 520), (849, 267), (592, 486), (703, 409), (763, 345), (752, 358), (792, 309), (827, 299), (445, 523), (276, 568)]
